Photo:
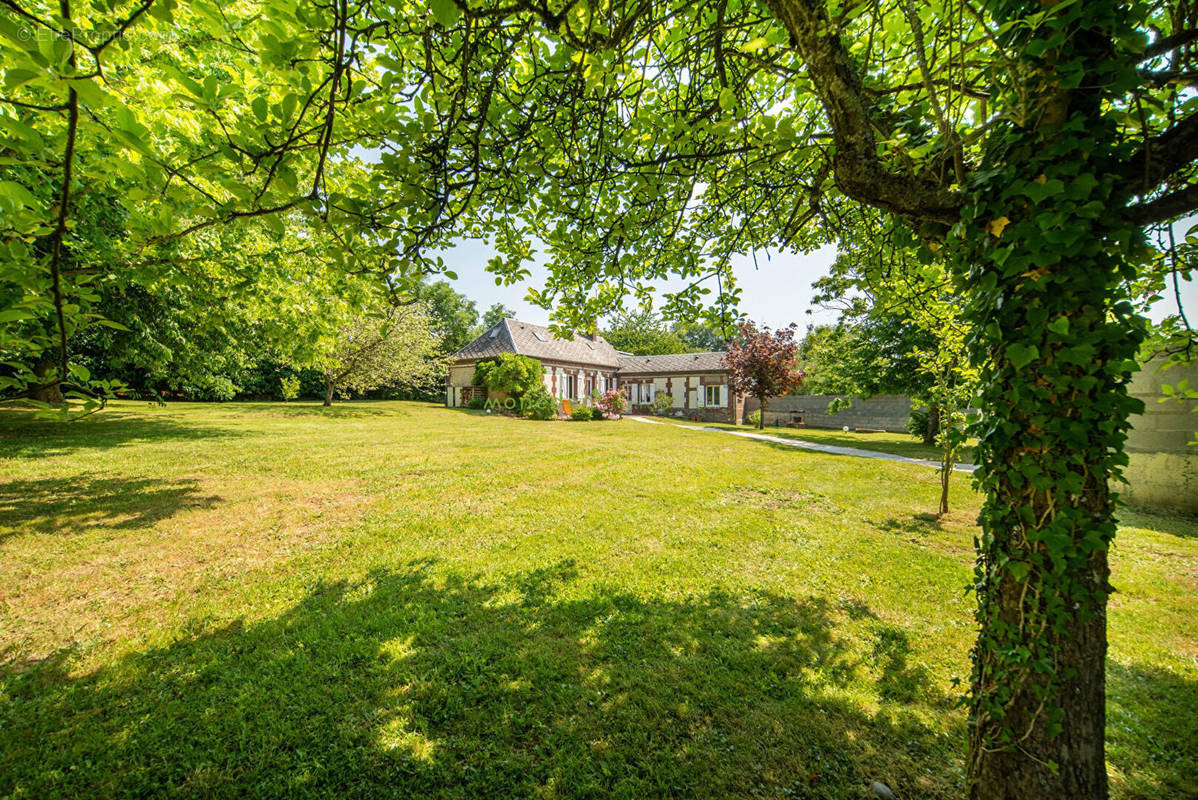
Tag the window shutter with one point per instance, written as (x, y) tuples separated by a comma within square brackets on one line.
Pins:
[(724, 396)]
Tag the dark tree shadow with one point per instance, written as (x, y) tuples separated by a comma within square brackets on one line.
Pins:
[(78, 503), (23, 436), (916, 524), (411, 684)]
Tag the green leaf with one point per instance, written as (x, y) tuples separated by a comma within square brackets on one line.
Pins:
[(1021, 355), (727, 99), (260, 108), (446, 12), (1060, 326)]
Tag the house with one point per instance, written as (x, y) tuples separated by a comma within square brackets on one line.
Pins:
[(579, 367)]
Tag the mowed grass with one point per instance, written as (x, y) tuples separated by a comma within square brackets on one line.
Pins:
[(898, 444), (399, 600)]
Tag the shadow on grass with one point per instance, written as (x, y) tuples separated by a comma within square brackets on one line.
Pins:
[(411, 685), (336, 411), (1174, 523), (1151, 731), (75, 504), (917, 524), (23, 436)]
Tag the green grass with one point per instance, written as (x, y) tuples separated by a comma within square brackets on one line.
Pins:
[(394, 599), (899, 444)]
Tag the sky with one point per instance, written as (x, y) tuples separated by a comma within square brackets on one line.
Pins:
[(775, 292)]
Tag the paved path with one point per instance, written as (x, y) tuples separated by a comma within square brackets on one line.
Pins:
[(822, 448)]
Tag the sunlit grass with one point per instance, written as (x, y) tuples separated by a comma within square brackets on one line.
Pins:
[(397, 599)]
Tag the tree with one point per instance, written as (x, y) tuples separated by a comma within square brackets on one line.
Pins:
[(701, 337), (390, 346), (642, 333), (454, 317), (512, 374), (761, 363), (497, 313)]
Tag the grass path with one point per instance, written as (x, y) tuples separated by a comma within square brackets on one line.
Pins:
[(395, 599)]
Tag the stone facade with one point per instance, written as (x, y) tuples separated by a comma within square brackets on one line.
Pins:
[(884, 412)]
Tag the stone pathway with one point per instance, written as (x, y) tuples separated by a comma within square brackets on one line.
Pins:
[(822, 448)]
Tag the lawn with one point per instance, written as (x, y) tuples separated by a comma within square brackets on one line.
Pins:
[(899, 444), (395, 599)]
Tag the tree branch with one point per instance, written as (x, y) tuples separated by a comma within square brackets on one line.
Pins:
[(857, 169), (1166, 207), (1161, 156)]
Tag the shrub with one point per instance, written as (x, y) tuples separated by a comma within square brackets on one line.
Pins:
[(610, 405), (477, 403), (539, 404), (581, 413), (597, 413), (290, 386), (662, 404), (509, 373), (917, 426), (754, 419)]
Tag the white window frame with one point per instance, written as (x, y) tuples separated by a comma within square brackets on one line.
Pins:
[(707, 395)]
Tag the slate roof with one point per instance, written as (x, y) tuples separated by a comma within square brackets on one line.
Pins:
[(514, 336), (676, 362)]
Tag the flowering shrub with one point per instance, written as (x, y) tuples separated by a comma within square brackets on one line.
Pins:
[(662, 404), (611, 404)]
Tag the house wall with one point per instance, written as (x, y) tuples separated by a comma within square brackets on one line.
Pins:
[(686, 389), (555, 379)]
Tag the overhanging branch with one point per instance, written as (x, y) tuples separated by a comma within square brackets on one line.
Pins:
[(1166, 207), (858, 171)]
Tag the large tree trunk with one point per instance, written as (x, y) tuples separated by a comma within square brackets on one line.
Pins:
[(328, 394), (1055, 361), (761, 416), (46, 391)]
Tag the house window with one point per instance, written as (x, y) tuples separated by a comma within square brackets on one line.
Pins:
[(570, 384), (712, 395)]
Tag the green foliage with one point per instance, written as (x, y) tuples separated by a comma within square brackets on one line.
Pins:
[(662, 404), (539, 404), (512, 374), (917, 425), (476, 403), (643, 333), (454, 317), (754, 419), (497, 313), (384, 346), (582, 414), (289, 387)]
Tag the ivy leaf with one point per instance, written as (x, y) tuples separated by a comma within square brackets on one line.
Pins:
[(996, 226), (1020, 355)]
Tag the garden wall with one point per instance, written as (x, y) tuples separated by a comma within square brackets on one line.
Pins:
[(1162, 469), (884, 412)]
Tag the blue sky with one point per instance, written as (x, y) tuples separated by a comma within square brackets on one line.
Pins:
[(776, 292)]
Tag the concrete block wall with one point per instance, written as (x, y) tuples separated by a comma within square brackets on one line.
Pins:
[(885, 412), (1162, 468)]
